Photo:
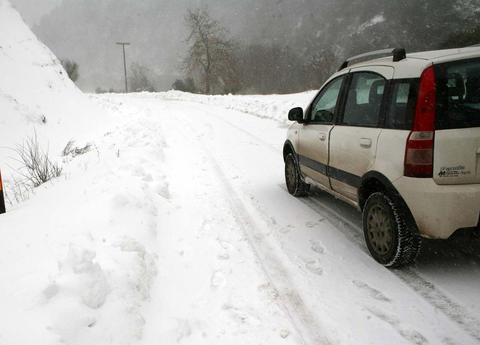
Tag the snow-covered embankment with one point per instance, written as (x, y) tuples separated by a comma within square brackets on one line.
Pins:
[(75, 261)]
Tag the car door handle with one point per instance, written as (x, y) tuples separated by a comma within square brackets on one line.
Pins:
[(322, 136), (366, 142)]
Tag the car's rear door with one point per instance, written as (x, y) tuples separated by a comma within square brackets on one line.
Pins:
[(313, 137), (457, 135), (353, 140)]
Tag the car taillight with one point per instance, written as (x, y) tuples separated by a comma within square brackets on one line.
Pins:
[(419, 148), (2, 200)]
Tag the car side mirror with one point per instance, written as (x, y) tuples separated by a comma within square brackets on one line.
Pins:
[(296, 114)]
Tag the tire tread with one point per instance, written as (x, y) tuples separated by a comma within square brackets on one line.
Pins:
[(409, 241), (302, 188)]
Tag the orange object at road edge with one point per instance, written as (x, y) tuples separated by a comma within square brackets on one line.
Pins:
[(2, 198)]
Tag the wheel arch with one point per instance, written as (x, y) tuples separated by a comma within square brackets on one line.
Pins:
[(373, 182), (287, 149)]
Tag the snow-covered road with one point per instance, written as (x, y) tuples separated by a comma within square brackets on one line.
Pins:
[(176, 228), (242, 262)]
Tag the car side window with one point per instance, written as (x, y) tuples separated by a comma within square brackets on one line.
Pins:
[(401, 105), (364, 100), (323, 107)]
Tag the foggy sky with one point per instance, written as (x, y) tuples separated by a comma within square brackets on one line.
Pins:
[(86, 30), (33, 10)]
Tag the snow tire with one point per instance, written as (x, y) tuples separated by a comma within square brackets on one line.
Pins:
[(390, 231), (295, 184)]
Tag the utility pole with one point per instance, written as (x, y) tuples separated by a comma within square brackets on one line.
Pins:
[(123, 44)]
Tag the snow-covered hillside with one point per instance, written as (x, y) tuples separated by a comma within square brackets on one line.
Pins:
[(73, 266), (36, 94)]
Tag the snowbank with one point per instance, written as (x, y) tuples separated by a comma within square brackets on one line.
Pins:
[(75, 262)]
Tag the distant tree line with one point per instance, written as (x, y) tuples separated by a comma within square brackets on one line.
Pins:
[(140, 77), (280, 47), (469, 37), (215, 63)]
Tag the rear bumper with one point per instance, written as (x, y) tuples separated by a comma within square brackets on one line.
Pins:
[(440, 210)]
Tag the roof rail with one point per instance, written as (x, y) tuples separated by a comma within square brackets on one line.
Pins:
[(397, 53)]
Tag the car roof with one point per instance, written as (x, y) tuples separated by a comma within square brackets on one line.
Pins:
[(452, 53), (415, 63)]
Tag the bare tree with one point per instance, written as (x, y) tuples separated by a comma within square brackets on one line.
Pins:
[(139, 78), (211, 53), (71, 67)]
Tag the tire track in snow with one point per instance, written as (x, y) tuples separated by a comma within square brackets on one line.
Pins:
[(427, 290), (271, 147), (453, 311), (291, 302)]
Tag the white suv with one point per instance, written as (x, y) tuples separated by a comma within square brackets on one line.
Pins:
[(399, 138)]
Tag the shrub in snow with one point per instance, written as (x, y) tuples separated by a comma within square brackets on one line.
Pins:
[(37, 168), (71, 150), (187, 85), (17, 191)]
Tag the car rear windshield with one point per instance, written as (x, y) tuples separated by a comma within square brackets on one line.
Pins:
[(458, 88)]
